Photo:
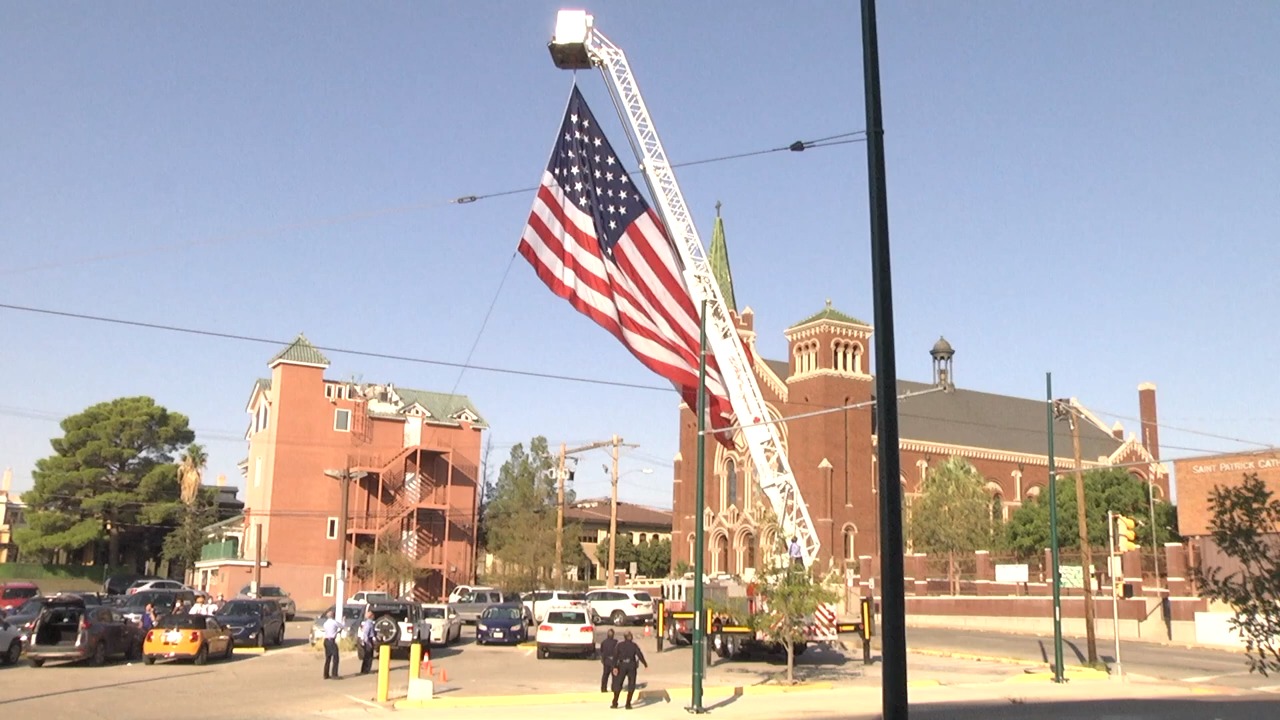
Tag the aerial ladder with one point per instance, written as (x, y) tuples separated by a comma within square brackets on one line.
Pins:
[(577, 45)]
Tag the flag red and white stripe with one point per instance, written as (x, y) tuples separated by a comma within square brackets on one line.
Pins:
[(593, 240)]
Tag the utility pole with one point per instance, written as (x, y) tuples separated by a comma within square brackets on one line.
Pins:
[(557, 572), (1086, 554), (344, 478), (1058, 670), (613, 513)]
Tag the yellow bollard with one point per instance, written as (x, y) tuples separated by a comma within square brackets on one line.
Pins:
[(415, 661), (384, 672)]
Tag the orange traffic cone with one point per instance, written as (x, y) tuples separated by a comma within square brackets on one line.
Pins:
[(648, 630), (444, 675)]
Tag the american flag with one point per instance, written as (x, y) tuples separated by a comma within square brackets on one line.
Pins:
[(595, 242)]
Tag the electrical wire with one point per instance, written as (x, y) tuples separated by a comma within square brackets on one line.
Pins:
[(360, 215), (1188, 431)]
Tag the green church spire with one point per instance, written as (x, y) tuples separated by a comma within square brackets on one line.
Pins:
[(719, 260)]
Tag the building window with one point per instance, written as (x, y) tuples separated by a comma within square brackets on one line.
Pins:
[(328, 585), (589, 539), (342, 420), (644, 538), (850, 542), (329, 391), (731, 478), (331, 530), (263, 416)]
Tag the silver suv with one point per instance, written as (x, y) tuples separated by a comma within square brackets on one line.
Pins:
[(621, 606)]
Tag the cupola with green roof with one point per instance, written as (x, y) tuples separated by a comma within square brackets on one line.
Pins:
[(300, 352)]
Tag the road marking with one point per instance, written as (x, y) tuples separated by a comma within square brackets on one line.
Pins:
[(1211, 678), (368, 703)]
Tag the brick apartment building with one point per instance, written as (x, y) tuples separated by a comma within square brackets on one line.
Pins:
[(833, 454), (413, 457)]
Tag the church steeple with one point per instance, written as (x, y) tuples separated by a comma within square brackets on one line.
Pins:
[(719, 261)]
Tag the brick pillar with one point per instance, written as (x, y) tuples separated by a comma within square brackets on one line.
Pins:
[(920, 571), (985, 570), (1175, 562), (1131, 566)]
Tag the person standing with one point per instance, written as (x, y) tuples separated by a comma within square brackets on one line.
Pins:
[(211, 607), (626, 661), (148, 617), (198, 607), (796, 553), (608, 647), (331, 630), (366, 643)]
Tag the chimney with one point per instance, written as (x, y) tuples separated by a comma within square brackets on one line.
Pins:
[(1117, 431), (1147, 413), (222, 480), (7, 483)]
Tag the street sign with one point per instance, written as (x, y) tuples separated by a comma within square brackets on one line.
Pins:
[(1012, 573), (1072, 576)]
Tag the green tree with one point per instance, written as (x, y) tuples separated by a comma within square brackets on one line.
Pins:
[(520, 518), (111, 477), (652, 557), (388, 564), (183, 545), (1027, 532), (191, 472), (1246, 518), (790, 597), (952, 516)]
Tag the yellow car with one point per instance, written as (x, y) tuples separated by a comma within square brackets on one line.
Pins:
[(187, 637)]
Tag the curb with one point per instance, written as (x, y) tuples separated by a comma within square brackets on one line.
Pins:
[(570, 698), (971, 656), (1081, 674), (248, 650)]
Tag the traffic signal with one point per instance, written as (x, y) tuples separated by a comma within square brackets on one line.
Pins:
[(1126, 534)]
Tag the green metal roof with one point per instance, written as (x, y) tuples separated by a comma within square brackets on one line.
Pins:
[(829, 313), (442, 406), (718, 259), (301, 351)]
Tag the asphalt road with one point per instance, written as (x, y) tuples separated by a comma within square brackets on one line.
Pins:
[(1167, 662)]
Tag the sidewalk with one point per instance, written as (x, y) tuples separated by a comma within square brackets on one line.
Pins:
[(999, 700)]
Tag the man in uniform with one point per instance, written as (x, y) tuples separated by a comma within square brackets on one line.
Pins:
[(607, 648), (366, 643), (331, 630), (626, 661)]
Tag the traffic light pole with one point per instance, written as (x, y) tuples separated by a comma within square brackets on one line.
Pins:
[(1115, 588), (1058, 670)]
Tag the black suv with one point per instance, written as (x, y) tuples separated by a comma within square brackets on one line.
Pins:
[(253, 622), (399, 624)]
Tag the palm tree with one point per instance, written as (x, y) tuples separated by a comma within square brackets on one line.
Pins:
[(191, 471)]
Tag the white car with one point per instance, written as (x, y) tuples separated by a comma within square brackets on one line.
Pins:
[(446, 625), (10, 643), (566, 630), (456, 594), (540, 601), (158, 585), (621, 606), (364, 597)]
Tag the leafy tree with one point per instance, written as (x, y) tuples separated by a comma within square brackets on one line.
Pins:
[(952, 516), (388, 564), (1246, 518), (520, 518), (111, 477), (1027, 532), (652, 558), (790, 597), (183, 545)]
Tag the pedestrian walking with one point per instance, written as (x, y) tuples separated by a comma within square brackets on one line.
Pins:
[(331, 629), (626, 661), (366, 643), (608, 647)]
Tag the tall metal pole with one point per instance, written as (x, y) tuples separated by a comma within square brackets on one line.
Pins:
[(613, 517), (893, 601), (1086, 553), (1115, 587), (699, 503), (560, 478), (1058, 670)]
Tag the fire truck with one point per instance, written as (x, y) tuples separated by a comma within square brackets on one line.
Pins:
[(578, 45)]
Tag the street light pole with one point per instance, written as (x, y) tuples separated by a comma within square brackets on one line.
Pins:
[(561, 476), (1058, 671), (344, 478)]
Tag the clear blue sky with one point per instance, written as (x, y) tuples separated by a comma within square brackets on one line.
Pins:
[(1088, 188)]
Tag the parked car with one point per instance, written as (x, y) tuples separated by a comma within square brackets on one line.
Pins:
[(163, 600), (621, 606), (446, 626), (142, 585), (24, 616), (399, 624), (253, 622), (10, 643), (364, 597), (505, 623), (351, 617), (273, 592), (13, 594), (566, 630), (68, 630), (188, 637), (470, 605), (459, 590), (120, 584), (539, 602)]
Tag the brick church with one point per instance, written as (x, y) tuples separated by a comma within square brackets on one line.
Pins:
[(833, 455)]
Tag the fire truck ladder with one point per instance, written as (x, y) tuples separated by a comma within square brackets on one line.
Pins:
[(578, 45)]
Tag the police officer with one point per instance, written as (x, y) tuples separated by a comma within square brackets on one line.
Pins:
[(607, 648), (626, 661), (366, 643), (331, 630)]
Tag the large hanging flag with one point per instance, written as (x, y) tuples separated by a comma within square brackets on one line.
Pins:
[(595, 242)]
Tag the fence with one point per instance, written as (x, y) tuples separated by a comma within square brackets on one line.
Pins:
[(32, 571)]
